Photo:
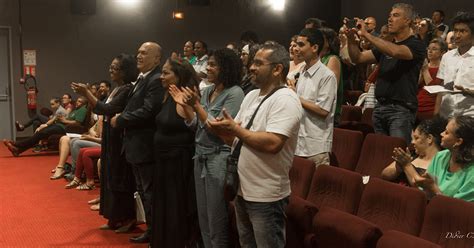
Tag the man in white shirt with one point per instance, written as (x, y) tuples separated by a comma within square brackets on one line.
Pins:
[(457, 68), (317, 89), (267, 151), (200, 65), (438, 21)]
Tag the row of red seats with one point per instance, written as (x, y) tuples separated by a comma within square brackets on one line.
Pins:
[(338, 211)]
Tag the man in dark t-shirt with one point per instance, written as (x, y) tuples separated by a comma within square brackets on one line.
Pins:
[(400, 63)]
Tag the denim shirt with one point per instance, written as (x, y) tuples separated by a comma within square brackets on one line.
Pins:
[(230, 99)]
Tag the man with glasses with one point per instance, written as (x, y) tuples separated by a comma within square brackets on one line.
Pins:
[(317, 89), (371, 25), (267, 151)]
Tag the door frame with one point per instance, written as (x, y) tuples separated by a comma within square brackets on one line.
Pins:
[(11, 98)]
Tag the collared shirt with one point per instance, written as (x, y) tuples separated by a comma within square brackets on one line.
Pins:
[(201, 64), (459, 69), (317, 84)]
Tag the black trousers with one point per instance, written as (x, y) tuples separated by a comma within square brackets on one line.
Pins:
[(36, 121), (43, 134), (144, 181)]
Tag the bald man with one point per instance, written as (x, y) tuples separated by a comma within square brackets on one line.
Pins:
[(138, 120), (371, 25)]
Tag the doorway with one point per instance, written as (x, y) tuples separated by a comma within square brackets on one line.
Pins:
[(6, 94)]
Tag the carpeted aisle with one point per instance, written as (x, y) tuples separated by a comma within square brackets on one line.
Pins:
[(38, 212)]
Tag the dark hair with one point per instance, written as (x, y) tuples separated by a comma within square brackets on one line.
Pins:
[(106, 82), (230, 67), (466, 18), (192, 43), (249, 36), (68, 95), (441, 12), (279, 55), (294, 38), (204, 45), (128, 67), (433, 127), (317, 23), (56, 100), (465, 131), (253, 49), (332, 39), (441, 43), (185, 73), (314, 36)]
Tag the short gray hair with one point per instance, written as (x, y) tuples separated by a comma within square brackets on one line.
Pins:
[(407, 9), (279, 55)]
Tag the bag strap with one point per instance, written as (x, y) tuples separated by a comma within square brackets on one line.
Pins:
[(236, 152)]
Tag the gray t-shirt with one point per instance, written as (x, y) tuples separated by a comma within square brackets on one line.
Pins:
[(61, 111)]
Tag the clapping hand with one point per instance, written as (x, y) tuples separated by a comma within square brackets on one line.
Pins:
[(428, 183), (402, 157), (80, 88), (224, 125)]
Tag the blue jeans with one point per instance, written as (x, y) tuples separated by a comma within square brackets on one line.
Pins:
[(261, 224), (394, 120), (209, 174)]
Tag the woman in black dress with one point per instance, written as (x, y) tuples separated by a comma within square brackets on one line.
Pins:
[(174, 203), (116, 177)]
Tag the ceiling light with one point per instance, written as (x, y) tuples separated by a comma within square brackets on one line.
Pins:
[(277, 5)]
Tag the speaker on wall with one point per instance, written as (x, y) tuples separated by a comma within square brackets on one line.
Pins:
[(199, 2), (83, 7)]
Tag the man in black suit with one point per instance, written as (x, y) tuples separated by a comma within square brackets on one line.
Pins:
[(138, 121)]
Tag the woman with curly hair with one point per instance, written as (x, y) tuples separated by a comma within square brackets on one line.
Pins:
[(224, 72), (451, 172)]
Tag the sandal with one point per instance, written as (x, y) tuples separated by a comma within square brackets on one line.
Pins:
[(58, 173), (74, 183), (95, 207), (85, 186), (94, 201)]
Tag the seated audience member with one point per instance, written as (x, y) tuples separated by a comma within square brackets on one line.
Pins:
[(296, 63), (85, 163), (38, 119), (188, 52), (451, 171), (67, 103), (68, 145), (426, 139), (76, 117), (317, 88), (427, 101), (400, 63), (456, 69)]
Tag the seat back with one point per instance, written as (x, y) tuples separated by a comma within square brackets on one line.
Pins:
[(336, 188), (367, 116), (395, 239), (446, 220), (392, 206), (346, 146), (301, 174), (351, 113), (376, 153)]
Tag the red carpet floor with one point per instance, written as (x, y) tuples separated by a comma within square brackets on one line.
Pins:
[(38, 212)]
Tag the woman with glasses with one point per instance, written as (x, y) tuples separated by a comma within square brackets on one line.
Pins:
[(429, 70), (224, 74), (117, 182)]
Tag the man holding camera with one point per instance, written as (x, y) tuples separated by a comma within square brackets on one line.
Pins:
[(400, 63)]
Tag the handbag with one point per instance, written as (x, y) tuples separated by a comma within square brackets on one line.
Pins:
[(231, 180)]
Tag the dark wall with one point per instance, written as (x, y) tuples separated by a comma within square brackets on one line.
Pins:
[(381, 9), (80, 47)]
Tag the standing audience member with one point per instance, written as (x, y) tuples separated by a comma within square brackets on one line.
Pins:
[(456, 68), (427, 101), (314, 22), (267, 151), (329, 57), (425, 31), (438, 20), (399, 69), (144, 102), (248, 37), (117, 183), (57, 126), (175, 221), (451, 171), (296, 63), (316, 88), (200, 49), (211, 152), (371, 25), (247, 55)]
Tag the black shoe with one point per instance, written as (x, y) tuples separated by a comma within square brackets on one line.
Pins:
[(144, 238)]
